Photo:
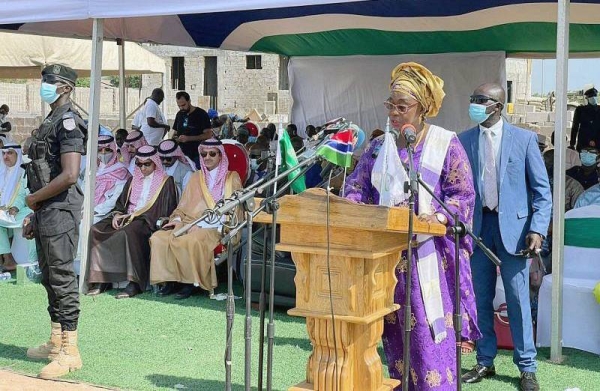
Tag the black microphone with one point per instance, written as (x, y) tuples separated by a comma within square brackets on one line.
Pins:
[(410, 133)]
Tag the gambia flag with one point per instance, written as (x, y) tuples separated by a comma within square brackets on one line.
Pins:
[(338, 149)]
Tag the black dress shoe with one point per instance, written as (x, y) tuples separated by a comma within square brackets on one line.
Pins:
[(186, 292), (528, 382), (97, 289), (168, 289), (477, 373), (132, 289)]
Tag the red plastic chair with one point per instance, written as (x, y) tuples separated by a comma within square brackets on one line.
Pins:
[(239, 162), (238, 158)]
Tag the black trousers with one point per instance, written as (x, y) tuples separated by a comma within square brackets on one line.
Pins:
[(56, 235)]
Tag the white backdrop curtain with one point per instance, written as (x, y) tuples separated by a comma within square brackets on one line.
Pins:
[(355, 87)]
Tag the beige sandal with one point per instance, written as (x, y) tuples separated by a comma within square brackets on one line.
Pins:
[(467, 347)]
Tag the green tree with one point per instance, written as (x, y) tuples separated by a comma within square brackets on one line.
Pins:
[(83, 82), (132, 81)]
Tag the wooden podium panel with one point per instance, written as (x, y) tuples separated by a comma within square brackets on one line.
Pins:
[(364, 243)]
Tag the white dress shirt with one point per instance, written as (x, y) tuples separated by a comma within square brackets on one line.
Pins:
[(496, 134), (212, 178), (144, 197)]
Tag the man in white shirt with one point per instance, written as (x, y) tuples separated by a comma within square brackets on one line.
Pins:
[(154, 126), (136, 124)]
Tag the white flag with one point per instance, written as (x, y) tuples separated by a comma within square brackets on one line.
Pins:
[(388, 175)]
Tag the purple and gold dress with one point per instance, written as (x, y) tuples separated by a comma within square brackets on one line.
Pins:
[(432, 365)]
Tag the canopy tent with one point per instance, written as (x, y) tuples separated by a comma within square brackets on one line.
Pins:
[(22, 56), (322, 27), (319, 28)]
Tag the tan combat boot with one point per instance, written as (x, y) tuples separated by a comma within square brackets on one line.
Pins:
[(68, 360), (50, 349)]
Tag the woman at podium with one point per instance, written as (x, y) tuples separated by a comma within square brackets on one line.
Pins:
[(417, 94)]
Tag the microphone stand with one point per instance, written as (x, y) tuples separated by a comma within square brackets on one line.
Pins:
[(262, 298), (412, 188), (226, 206), (459, 230)]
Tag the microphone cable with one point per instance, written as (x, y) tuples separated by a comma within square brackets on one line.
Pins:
[(327, 225)]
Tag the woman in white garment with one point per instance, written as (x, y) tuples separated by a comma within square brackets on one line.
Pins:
[(13, 247)]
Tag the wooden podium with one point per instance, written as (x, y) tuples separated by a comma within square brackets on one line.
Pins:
[(365, 242)]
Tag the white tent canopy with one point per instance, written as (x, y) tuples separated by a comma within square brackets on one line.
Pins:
[(28, 11), (22, 56)]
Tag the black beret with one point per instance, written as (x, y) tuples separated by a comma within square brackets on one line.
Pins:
[(59, 72)]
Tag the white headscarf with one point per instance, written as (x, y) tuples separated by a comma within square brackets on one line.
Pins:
[(10, 177)]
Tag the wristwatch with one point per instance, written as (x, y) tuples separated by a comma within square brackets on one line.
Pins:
[(441, 218)]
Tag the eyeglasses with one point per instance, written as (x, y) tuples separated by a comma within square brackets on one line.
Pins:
[(402, 109), (105, 150), (481, 99), (145, 164), (211, 153)]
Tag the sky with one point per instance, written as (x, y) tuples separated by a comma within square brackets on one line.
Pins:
[(581, 72)]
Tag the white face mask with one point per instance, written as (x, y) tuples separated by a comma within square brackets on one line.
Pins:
[(105, 157)]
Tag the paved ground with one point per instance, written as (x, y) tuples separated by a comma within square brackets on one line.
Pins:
[(11, 381)]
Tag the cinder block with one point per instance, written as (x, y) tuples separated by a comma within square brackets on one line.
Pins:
[(531, 117)]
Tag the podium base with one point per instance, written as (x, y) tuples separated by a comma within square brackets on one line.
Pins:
[(388, 385)]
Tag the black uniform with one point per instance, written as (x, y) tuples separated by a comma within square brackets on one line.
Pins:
[(56, 223), (586, 127)]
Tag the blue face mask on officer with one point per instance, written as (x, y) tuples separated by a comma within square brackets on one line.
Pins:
[(48, 92), (593, 100), (588, 158)]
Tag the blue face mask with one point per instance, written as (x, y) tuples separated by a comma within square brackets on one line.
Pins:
[(477, 113), (48, 93), (593, 100), (587, 158)]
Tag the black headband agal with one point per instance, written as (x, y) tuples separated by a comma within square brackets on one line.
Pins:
[(146, 154), (163, 151), (136, 138), (11, 147), (211, 143), (109, 140)]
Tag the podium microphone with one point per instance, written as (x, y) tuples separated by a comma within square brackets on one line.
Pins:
[(410, 133)]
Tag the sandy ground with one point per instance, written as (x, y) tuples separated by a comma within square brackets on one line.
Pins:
[(11, 381)]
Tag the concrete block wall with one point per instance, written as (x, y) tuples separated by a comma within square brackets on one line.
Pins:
[(239, 89), (536, 117), (517, 71)]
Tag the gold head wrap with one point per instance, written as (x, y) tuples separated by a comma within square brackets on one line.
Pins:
[(417, 81)]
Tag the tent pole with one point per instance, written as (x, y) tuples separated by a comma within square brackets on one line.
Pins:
[(92, 151), (560, 156), (42, 103), (122, 85), (164, 87)]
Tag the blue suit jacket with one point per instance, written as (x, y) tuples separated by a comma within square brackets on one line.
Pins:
[(525, 198)]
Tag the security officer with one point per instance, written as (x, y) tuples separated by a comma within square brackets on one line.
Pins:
[(56, 200), (586, 123)]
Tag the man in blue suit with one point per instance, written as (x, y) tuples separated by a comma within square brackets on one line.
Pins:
[(512, 213)]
